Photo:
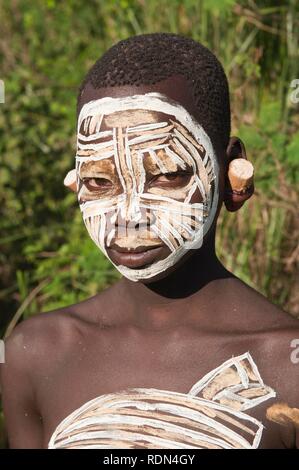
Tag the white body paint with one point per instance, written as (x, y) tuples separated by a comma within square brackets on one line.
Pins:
[(153, 418), (131, 203)]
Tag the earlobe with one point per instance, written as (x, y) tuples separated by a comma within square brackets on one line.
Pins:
[(70, 181), (239, 184)]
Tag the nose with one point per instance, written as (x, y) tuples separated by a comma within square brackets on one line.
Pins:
[(135, 219), (123, 224)]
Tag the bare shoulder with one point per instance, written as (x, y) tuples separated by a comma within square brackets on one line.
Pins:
[(39, 340), (46, 334), (252, 323), (32, 339), (254, 311)]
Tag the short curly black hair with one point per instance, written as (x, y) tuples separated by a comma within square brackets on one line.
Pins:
[(149, 58)]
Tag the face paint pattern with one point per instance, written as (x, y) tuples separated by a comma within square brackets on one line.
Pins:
[(175, 143)]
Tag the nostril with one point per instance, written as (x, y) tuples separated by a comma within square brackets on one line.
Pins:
[(138, 225)]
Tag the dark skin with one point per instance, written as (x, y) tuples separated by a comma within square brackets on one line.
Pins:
[(163, 334)]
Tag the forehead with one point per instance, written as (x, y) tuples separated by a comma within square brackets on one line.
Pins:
[(129, 119), (131, 110), (140, 114), (150, 127), (139, 124)]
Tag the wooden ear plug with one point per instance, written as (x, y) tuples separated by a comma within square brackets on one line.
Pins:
[(281, 413), (240, 175), (70, 180)]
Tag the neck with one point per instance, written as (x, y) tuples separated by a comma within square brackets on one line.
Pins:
[(192, 276)]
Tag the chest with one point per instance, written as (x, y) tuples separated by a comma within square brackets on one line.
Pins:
[(173, 363)]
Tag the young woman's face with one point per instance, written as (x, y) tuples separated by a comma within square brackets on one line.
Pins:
[(147, 179)]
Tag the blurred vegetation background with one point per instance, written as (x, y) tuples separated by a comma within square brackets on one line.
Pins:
[(46, 48)]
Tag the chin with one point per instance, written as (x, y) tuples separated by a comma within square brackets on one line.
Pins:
[(157, 277), (169, 271)]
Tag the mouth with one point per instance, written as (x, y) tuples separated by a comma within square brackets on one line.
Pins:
[(137, 257)]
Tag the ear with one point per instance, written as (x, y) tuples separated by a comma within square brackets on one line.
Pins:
[(239, 178), (70, 181)]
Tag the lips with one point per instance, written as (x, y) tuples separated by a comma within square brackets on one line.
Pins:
[(134, 257)]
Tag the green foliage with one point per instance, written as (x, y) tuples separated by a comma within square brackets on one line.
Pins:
[(46, 48), (292, 155)]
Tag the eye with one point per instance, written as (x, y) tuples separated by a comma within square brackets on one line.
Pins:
[(97, 184), (174, 179)]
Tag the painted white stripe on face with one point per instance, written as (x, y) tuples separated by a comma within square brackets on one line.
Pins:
[(91, 125), (96, 158), (147, 137), (98, 126), (183, 207), (92, 208), (95, 136), (133, 212), (201, 187), (175, 157), (157, 160), (102, 232), (206, 159), (147, 127), (153, 148), (191, 192), (81, 192), (200, 167), (99, 146), (142, 178), (186, 154), (175, 208), (117, 164), (186, 228), (171, 231), (110, 236), (160, 233)]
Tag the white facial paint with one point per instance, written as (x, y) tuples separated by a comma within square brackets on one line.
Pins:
[(181, 225), (153, 418)]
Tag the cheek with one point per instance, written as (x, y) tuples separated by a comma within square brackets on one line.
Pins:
[(178, 222)]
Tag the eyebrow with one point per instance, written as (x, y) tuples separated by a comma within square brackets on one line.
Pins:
[(95, 135), (97, 166)]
